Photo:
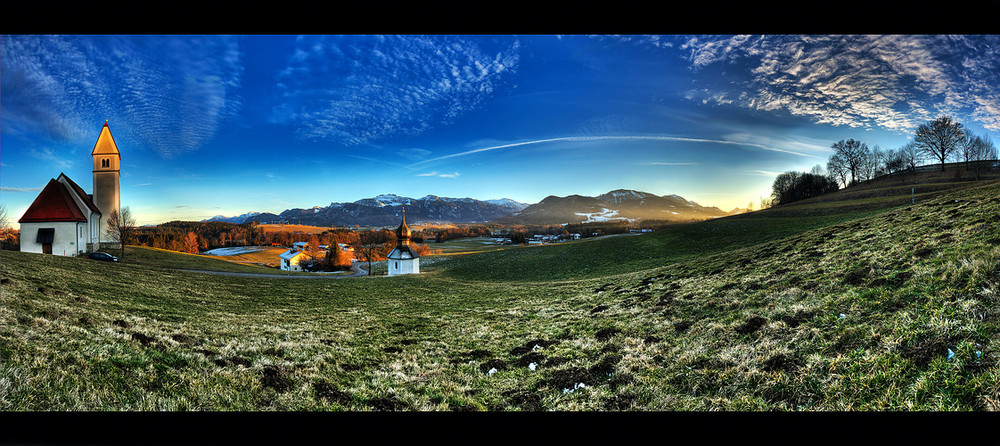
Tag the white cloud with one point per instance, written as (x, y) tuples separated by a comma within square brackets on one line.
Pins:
[(894, 82), (753, 144), (19, 189), (358, 89), (176, 89), (440, 175), (670, 164)]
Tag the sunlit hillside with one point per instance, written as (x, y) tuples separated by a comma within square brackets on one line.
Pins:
[(829, 307)]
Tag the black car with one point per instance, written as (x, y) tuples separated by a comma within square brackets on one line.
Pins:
[(102, 256)]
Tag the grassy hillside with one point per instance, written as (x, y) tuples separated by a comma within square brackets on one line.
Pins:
[(604, 256), (891, 309)]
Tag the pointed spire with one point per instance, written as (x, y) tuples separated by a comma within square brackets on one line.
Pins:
[(105, 144), (403, 231)]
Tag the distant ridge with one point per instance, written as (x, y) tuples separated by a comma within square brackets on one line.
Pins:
[(617, 205), (386, 209)]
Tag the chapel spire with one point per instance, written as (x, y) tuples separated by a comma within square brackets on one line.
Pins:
[(403, 232)]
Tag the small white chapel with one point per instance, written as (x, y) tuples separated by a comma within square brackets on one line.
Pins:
[(403, 259)]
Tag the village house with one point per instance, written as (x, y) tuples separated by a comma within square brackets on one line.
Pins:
[(290, 259), (65, 220)]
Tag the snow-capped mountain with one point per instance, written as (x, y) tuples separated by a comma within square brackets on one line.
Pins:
[(616, 205), (237, 219), (386, 210)]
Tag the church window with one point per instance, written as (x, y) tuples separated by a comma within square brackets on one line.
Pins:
[(397, 265), (105, 162)]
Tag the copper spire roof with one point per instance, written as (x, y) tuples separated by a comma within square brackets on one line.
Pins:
[(105, 144), (403, 231)]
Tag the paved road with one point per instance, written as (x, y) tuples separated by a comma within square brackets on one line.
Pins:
[(358, 269)]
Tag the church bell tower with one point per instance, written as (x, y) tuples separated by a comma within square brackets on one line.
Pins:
[(107, 176)]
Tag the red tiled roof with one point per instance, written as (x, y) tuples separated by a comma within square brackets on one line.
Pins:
[(54, 203), (87, 199)]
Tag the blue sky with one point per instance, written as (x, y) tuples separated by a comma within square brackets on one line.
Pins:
[(211, 125)]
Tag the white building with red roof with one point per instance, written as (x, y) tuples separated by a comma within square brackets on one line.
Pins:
[(64, 219)]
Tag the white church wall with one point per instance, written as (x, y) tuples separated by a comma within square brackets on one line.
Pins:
[(397, 267), (66, 240)]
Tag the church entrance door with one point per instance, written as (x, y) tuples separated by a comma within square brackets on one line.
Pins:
[(46, 248)]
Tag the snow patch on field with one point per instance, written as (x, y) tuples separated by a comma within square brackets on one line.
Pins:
[(236, 250), (605, 215)]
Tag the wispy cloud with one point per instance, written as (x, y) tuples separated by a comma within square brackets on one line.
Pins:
[(441, 175), (49, 156), (766, 173), (359, 89), (614, 138), (19, 189), (168, 92), (670, 164), (895, 82)]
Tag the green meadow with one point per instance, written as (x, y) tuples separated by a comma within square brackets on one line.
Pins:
[(849, 302)]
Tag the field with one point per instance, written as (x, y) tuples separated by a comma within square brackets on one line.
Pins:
[(866, 302)]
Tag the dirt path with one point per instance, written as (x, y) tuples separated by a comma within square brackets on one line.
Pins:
[(358, 269)]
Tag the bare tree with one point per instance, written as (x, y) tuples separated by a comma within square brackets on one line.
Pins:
[(372, 245), (939, 138), (852, 154), (121, 227), (871, 163), (988, 150), (893, 161), (981, 149), (837, 169), (968, 147), (910, 152)]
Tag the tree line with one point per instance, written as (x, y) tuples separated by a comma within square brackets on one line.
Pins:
[(853, 161)]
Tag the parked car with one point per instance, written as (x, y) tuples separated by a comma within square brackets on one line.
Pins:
[(102, 256)]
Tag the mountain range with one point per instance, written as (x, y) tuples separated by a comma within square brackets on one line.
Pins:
[(617, 205), (386, 209)]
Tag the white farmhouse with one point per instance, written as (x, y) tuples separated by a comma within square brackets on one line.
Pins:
[(403, 259), (290, 260)]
